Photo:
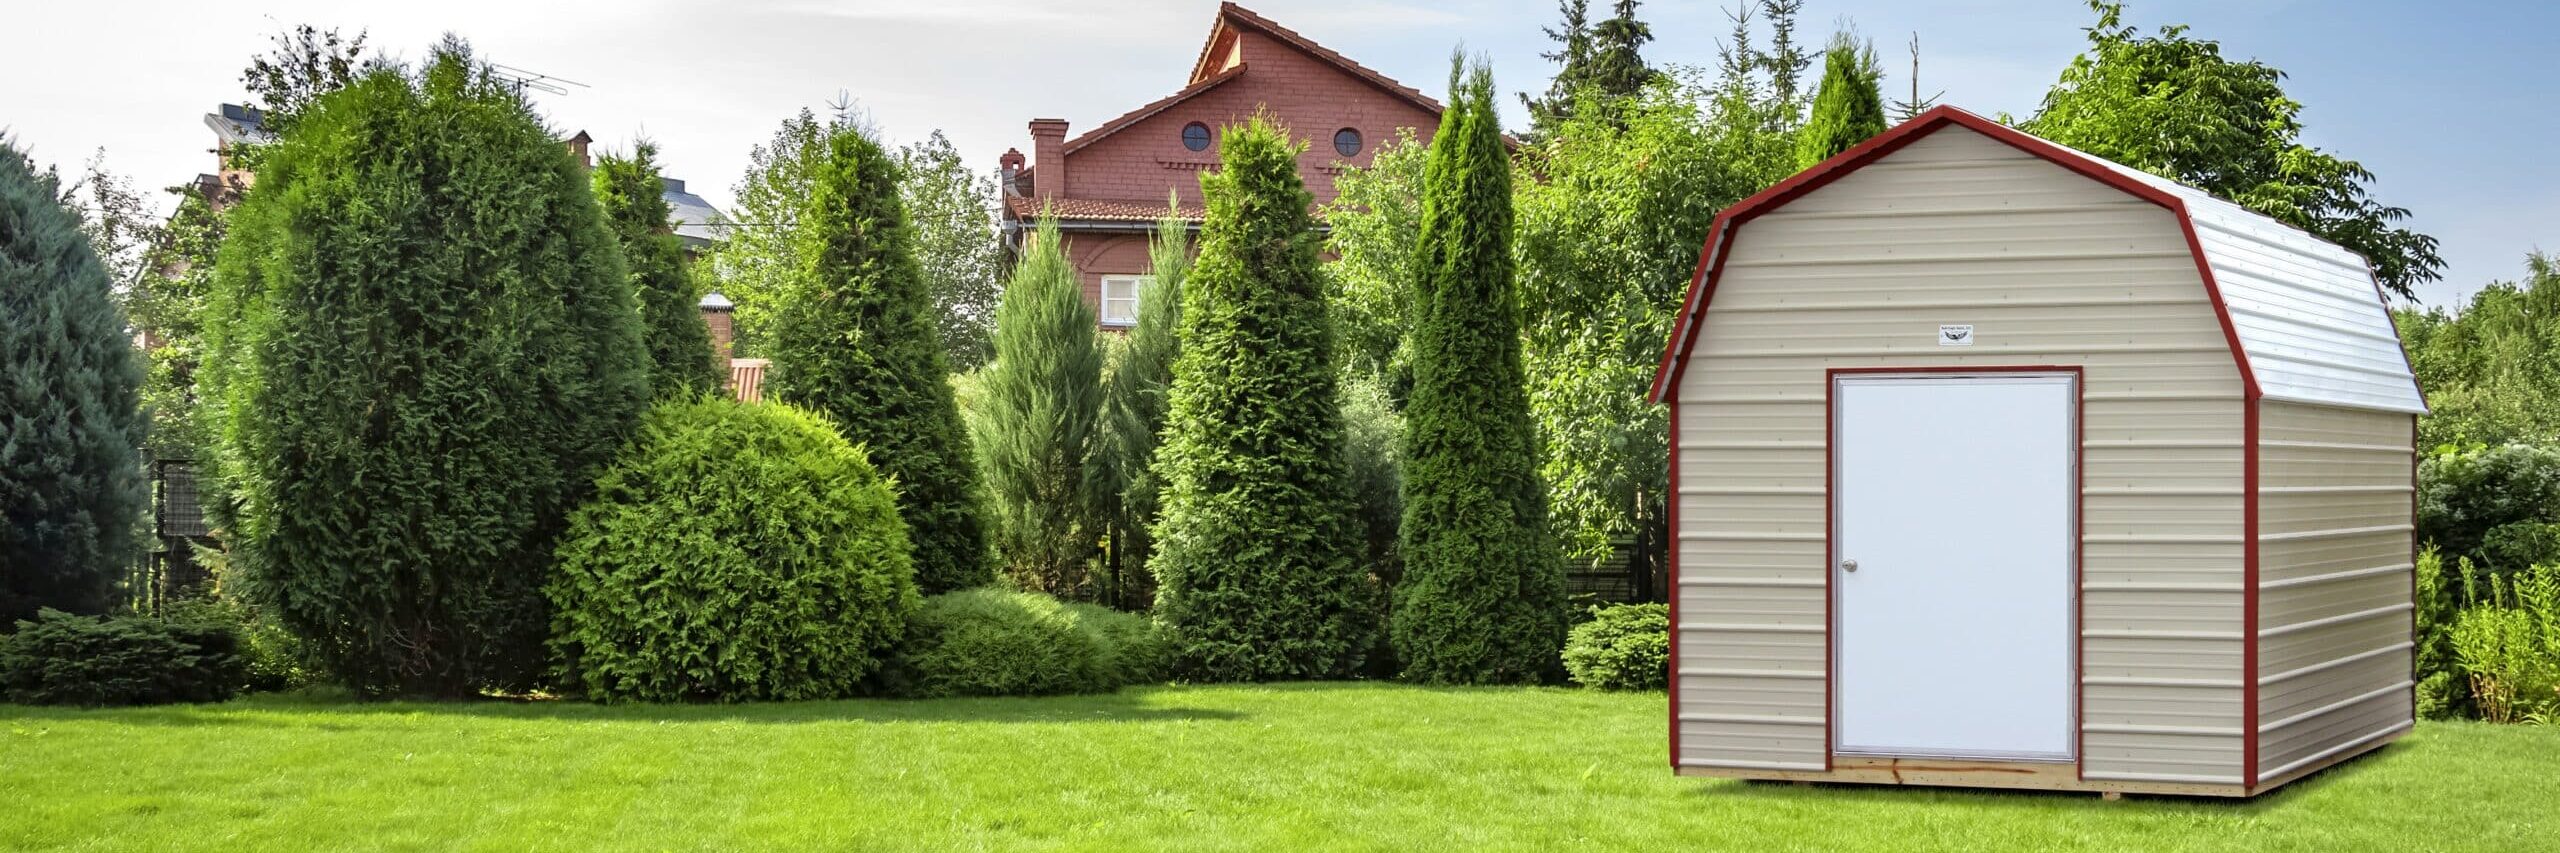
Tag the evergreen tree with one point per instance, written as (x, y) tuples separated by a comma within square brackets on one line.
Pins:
[(71, 489), (1136, 388), (1038, 408), (1255, 548), (633, 197), (420, 344), (1618, 68), (1482, 597), (1849, 106), (853, 339), (1572, 57)]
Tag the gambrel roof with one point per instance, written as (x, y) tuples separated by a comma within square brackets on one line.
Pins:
[(2304, 317)]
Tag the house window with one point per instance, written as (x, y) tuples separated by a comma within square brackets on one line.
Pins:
[(1120, 299), (1195, 136), (1346, 142)]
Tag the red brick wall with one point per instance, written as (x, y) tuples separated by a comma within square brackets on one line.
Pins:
[(1310, 97), (1095, 254)]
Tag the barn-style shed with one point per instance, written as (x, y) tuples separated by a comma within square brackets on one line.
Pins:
[(1999, 464)]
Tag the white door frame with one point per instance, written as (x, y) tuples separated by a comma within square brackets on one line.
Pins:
[(1833, 380)]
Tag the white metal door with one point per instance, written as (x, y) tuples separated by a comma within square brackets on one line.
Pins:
[(1954, 508)]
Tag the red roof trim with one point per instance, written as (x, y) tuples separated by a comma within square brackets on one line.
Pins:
[(1142, 113), (1684, 330)]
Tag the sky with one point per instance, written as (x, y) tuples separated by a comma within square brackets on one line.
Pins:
[(2452, 105)]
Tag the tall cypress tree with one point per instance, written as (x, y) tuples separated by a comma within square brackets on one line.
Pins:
[(633, 197), (1848, 108), (1136, 392), (1255, 551), (853, 338), (71, 490), (1482, 597), (1040, 403), (421, 341)]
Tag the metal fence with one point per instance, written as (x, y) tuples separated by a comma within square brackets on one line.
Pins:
[(169, 570)]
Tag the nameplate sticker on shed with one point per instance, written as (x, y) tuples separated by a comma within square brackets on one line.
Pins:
[(1953, 335)]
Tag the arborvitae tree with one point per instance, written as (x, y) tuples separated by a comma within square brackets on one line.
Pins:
[(421, 342), (1849, 107), (853, 338), (1135, 393), (1255, 549), (634, 200), (1482, 597), (1039, 404), (71, 490)]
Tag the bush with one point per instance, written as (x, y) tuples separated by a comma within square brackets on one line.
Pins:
[(993, 642), (1625, 647), (736, 551), (420, 344), (2465, 494), (61, 659), (272, 658)]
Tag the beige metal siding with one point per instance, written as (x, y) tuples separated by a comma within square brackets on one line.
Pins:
[(2052, 268), (2334, 580)]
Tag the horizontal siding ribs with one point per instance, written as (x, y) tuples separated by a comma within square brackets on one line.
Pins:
[(1987, 350), (2324, 666), (1784, 583), (2130, 681), (1754, 719), (2342, 618), (2333, 577), (2394, 730), (1789, 674), (1738, 536), (2367, 696), (1950, 305), (2179, 778), (2133, 729), (1740, 764), (2334, 533)]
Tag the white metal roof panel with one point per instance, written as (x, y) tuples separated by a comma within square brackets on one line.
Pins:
[(2308, 313)]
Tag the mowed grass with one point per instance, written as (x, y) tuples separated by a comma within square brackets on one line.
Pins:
[(1286, 767)]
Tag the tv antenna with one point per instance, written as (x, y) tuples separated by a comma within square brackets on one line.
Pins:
[(524, 79)]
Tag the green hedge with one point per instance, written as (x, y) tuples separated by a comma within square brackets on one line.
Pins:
[(61, 659), (993, 642), (736, 551), (1624, 647)]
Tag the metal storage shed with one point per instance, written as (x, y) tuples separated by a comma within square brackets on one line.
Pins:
[(1998, 464)]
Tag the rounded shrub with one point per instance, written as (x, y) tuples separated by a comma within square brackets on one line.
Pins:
[(735, 552), (995, 642), (1623, 647), (61, 659)]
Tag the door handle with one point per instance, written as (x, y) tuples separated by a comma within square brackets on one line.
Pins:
[(1848, 565)]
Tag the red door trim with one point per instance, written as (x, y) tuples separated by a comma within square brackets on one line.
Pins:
[(1830, 512)]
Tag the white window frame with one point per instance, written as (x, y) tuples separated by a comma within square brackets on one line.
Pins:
[(1128, 287)]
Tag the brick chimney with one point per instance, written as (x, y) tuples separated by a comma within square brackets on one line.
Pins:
[(1048, 157), (719, 314), (1009, 171)]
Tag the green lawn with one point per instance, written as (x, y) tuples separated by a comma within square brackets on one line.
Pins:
[(1280, 767)]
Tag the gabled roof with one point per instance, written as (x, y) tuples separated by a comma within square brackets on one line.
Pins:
[(2304, 318), (235, 124), (695, 220), (1206, 74), (1232, 17)]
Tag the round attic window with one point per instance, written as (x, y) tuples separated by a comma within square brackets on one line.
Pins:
[(1195, 136), (1346, 142)]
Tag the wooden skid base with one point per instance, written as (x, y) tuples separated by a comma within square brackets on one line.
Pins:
[(2040, 776)]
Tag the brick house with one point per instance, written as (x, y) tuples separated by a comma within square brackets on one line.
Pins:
[(1109, 185)]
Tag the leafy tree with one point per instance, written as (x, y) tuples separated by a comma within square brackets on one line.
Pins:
[(1375, 221), (1482, 597), (1610, 215), (301, 65), (1254, 551), (420, 344), (1036, 429), (1848, 108), (953, 208), (71, 491), (853, 338), (2173, 106), (633, 197), (2492, 371), (758, 254), (1136, 386)]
